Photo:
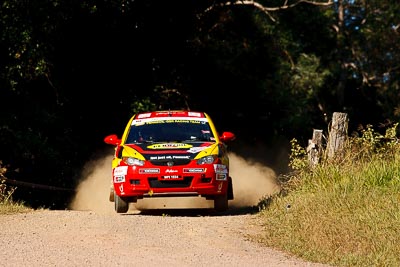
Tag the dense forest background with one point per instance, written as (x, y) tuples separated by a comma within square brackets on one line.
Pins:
[(72, 72)]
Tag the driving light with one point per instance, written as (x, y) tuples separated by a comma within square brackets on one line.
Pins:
[(133, 161), (206, 160)]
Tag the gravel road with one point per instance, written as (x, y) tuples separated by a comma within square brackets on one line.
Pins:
[(171, 232), (153, 238)]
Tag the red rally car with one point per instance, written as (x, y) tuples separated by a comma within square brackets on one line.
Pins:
[(174, 153)]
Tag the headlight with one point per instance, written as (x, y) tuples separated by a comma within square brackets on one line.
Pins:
[(206, 160), (133, 161)]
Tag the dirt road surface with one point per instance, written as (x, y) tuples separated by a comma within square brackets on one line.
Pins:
[(86, 238), (166, 232)]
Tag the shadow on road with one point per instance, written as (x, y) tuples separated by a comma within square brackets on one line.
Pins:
[(195, 212)]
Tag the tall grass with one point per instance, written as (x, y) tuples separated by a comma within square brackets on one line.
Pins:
[(7, 204), (343, 212)]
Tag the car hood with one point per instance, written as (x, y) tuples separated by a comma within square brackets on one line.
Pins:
[(191, 150)]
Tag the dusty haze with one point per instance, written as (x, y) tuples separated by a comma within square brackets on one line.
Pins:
[(251, 182)]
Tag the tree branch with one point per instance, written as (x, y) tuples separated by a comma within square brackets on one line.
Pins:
[(267, 10)]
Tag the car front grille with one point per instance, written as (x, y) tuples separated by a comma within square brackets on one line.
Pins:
[(155, 183), (176, 162)]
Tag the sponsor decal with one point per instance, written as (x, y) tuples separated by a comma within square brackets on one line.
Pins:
[(169, 157), (121, 189), (121, 171), (119, 179), (169, 146), (149, 170), (144, 115), (145, 118), (155, 122), (221, 176), (178, 121), (220, 187), (166, 113), (194, 170), (170, 171), (180, 157), (220, 168), (197, 149), (194, 114)]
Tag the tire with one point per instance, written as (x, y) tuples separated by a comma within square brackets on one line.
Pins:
[(111, 197), (120, 204), (221, 202), (230, 189)]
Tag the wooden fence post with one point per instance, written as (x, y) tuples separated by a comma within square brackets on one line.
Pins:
[(314, 149), (337, 134)]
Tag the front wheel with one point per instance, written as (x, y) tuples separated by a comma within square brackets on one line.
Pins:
[(230, 189), (120, 204), (221, 202), (111, 196)]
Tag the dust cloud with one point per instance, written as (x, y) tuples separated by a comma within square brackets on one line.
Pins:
[(251, 182), (94, 189)]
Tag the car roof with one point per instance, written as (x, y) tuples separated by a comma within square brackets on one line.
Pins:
[(170, 113)]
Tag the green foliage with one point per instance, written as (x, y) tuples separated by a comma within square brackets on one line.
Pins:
[(370, 143), (26, 35), (161, 99), (292, 66), (5, 192), (342, 214), (142, 105), (298, 156), (7, 204), (308, 77)]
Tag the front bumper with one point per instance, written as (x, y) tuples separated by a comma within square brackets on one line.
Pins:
[(149, 181)]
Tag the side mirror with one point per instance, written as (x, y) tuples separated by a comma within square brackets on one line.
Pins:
[(112, 140), (227, 137)]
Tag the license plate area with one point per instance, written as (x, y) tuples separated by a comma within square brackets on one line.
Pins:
[(171, 177)]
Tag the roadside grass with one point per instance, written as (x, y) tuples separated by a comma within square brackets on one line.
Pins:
[(7, 204), (343, 212), (13, 207)]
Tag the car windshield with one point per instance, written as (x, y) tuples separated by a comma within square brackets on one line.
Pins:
[(170, 130)]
